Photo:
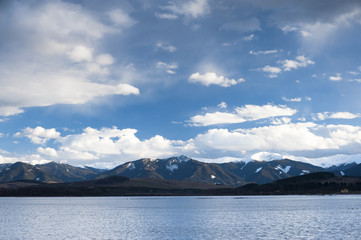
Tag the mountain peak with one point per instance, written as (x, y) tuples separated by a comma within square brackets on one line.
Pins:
[(266, 157), (183, 158)]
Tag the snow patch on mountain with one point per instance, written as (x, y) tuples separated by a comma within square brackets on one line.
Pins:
[(258, 169), (285, 170), (131, 166), (335, 160), (304, 172), (172, 167), (183, 158)]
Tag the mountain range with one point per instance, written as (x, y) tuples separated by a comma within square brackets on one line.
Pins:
[(180, 168)]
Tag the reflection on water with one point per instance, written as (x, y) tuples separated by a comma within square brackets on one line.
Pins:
[(266, 217)]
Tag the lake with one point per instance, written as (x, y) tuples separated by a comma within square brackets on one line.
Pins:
[(250, 217)]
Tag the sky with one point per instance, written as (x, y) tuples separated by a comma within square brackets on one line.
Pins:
[(100, 83)]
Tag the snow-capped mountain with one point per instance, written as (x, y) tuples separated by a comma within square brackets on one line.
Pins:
[(233, 173), (261, 168), (176, 168)]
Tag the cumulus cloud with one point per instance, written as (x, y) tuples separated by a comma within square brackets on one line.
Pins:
[(92, 144), (287, 137), (241, 114), (286, 65), (105, 145), (210, 78), (301, 61), (188, 9), (39, 135), (50, 152), (272, 71), (52, 57), (336, 78)]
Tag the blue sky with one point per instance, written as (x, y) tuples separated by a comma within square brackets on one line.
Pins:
[(100, 83)]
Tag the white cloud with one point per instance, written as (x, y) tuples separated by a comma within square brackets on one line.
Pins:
[(222, 105), (286, 137), (166, 47), (81, 53), (121, 18), (102, 146), (39, 135), (297, 99), (215, 118), (335, 115), (301, 61), (279, 121), (241, 114), (344, 115), (189, 9), (50, 152), (273, 51), (122, 143), (336, 78), (50, 59), (212, 78), (168, 67), (273, 71), (287, 65)]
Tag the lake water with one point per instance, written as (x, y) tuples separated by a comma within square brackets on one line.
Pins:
[(265, 217)]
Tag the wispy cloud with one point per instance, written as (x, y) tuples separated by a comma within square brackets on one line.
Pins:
[(273, 51), (189, 9), (241, 114)]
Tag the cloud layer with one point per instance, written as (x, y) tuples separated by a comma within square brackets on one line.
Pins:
[(52, 56)]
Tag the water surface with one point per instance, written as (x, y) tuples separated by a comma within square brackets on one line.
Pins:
[(261, 217)]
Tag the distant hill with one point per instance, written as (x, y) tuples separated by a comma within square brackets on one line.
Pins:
[(50, 172), (313, 183), (111, 186), (354, 171)]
